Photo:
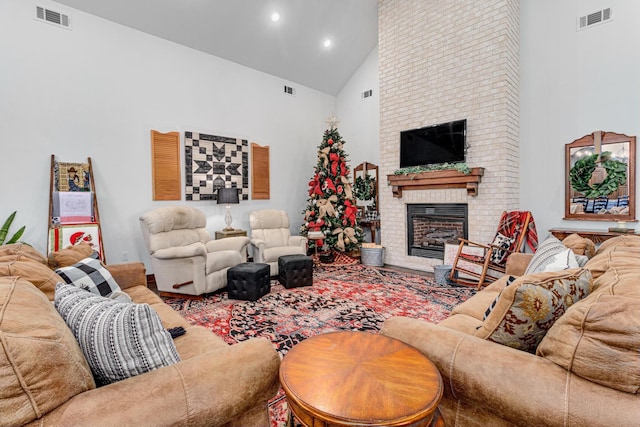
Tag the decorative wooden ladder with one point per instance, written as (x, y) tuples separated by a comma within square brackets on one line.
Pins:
[(70, 231)]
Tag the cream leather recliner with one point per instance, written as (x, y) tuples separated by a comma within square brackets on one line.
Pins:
[(184, 258), (271, 238)]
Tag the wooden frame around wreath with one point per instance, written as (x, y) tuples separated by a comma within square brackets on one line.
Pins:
[(598, 142), (364, 169)]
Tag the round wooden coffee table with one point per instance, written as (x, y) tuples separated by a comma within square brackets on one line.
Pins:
[(359, 378)]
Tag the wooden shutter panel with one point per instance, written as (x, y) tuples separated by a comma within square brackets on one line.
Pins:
[(165, 165), (260, 172)]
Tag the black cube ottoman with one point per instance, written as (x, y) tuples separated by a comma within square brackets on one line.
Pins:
[(248, 281), (295, 271)]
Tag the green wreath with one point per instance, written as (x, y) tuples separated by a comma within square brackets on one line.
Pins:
[(364, 188), (581, 172)]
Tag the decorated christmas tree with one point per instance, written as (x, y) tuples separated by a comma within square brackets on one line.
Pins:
[(331, 206)]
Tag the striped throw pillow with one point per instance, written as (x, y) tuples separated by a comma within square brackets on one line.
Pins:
[(550, 252), (119, 340)]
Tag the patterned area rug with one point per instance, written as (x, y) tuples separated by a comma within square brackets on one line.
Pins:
[(344, 297)]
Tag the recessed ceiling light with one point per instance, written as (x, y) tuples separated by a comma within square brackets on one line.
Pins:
[(327, 43), (275, 17)]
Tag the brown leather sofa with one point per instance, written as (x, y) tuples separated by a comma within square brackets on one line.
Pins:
[(46, 381), (586, 369)]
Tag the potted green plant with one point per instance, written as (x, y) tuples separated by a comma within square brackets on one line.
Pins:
[(4, 231)]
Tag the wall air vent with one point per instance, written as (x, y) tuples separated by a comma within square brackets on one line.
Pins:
[(288, 90), (53, 17), (367, 93), (595, 18)]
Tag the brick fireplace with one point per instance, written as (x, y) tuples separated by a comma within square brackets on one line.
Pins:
[(445, 62)]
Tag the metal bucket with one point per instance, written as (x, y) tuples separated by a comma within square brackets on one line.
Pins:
[(372, 256), (441, 273)]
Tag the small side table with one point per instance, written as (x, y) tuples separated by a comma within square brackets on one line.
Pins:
[(223, 234), (318, 236), (596, 236)]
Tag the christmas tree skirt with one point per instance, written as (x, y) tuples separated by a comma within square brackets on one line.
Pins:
[(339, 258)]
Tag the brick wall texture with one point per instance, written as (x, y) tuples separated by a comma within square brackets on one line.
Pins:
[(444, 60)]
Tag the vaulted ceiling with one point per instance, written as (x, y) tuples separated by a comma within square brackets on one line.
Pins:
[(242, 31)]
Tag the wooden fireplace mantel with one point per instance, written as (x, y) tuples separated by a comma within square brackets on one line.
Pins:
[(434, 180)]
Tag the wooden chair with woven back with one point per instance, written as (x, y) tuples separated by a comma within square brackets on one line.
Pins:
[(476, 263)]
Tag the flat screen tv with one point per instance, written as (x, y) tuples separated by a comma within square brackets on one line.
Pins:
[(443, 143)]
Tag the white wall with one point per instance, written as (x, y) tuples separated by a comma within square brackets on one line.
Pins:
[(359, 117), (99, 89), (572, 83)]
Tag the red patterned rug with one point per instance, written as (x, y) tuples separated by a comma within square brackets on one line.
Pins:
[(344, 297)]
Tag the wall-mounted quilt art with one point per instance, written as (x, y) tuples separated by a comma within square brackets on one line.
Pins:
[(213, 162)]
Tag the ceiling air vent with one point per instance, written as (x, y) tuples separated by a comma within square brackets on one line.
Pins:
[(367, 94), (595, 18), (288, 90), (53, 17)]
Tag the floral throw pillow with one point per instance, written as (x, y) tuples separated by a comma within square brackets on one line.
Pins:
[(488, 311), (503, 242), (528, 308)]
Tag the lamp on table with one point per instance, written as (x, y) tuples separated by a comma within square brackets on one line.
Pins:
[(228, 196)]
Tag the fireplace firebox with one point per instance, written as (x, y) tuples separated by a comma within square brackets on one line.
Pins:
[(431, 226)]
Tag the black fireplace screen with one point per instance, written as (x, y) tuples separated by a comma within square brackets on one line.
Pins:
[(431, 226)]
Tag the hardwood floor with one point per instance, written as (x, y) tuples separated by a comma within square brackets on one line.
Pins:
[(151, 283), (409, 270)]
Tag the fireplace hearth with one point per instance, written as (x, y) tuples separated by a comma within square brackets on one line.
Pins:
[(431, 226)]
